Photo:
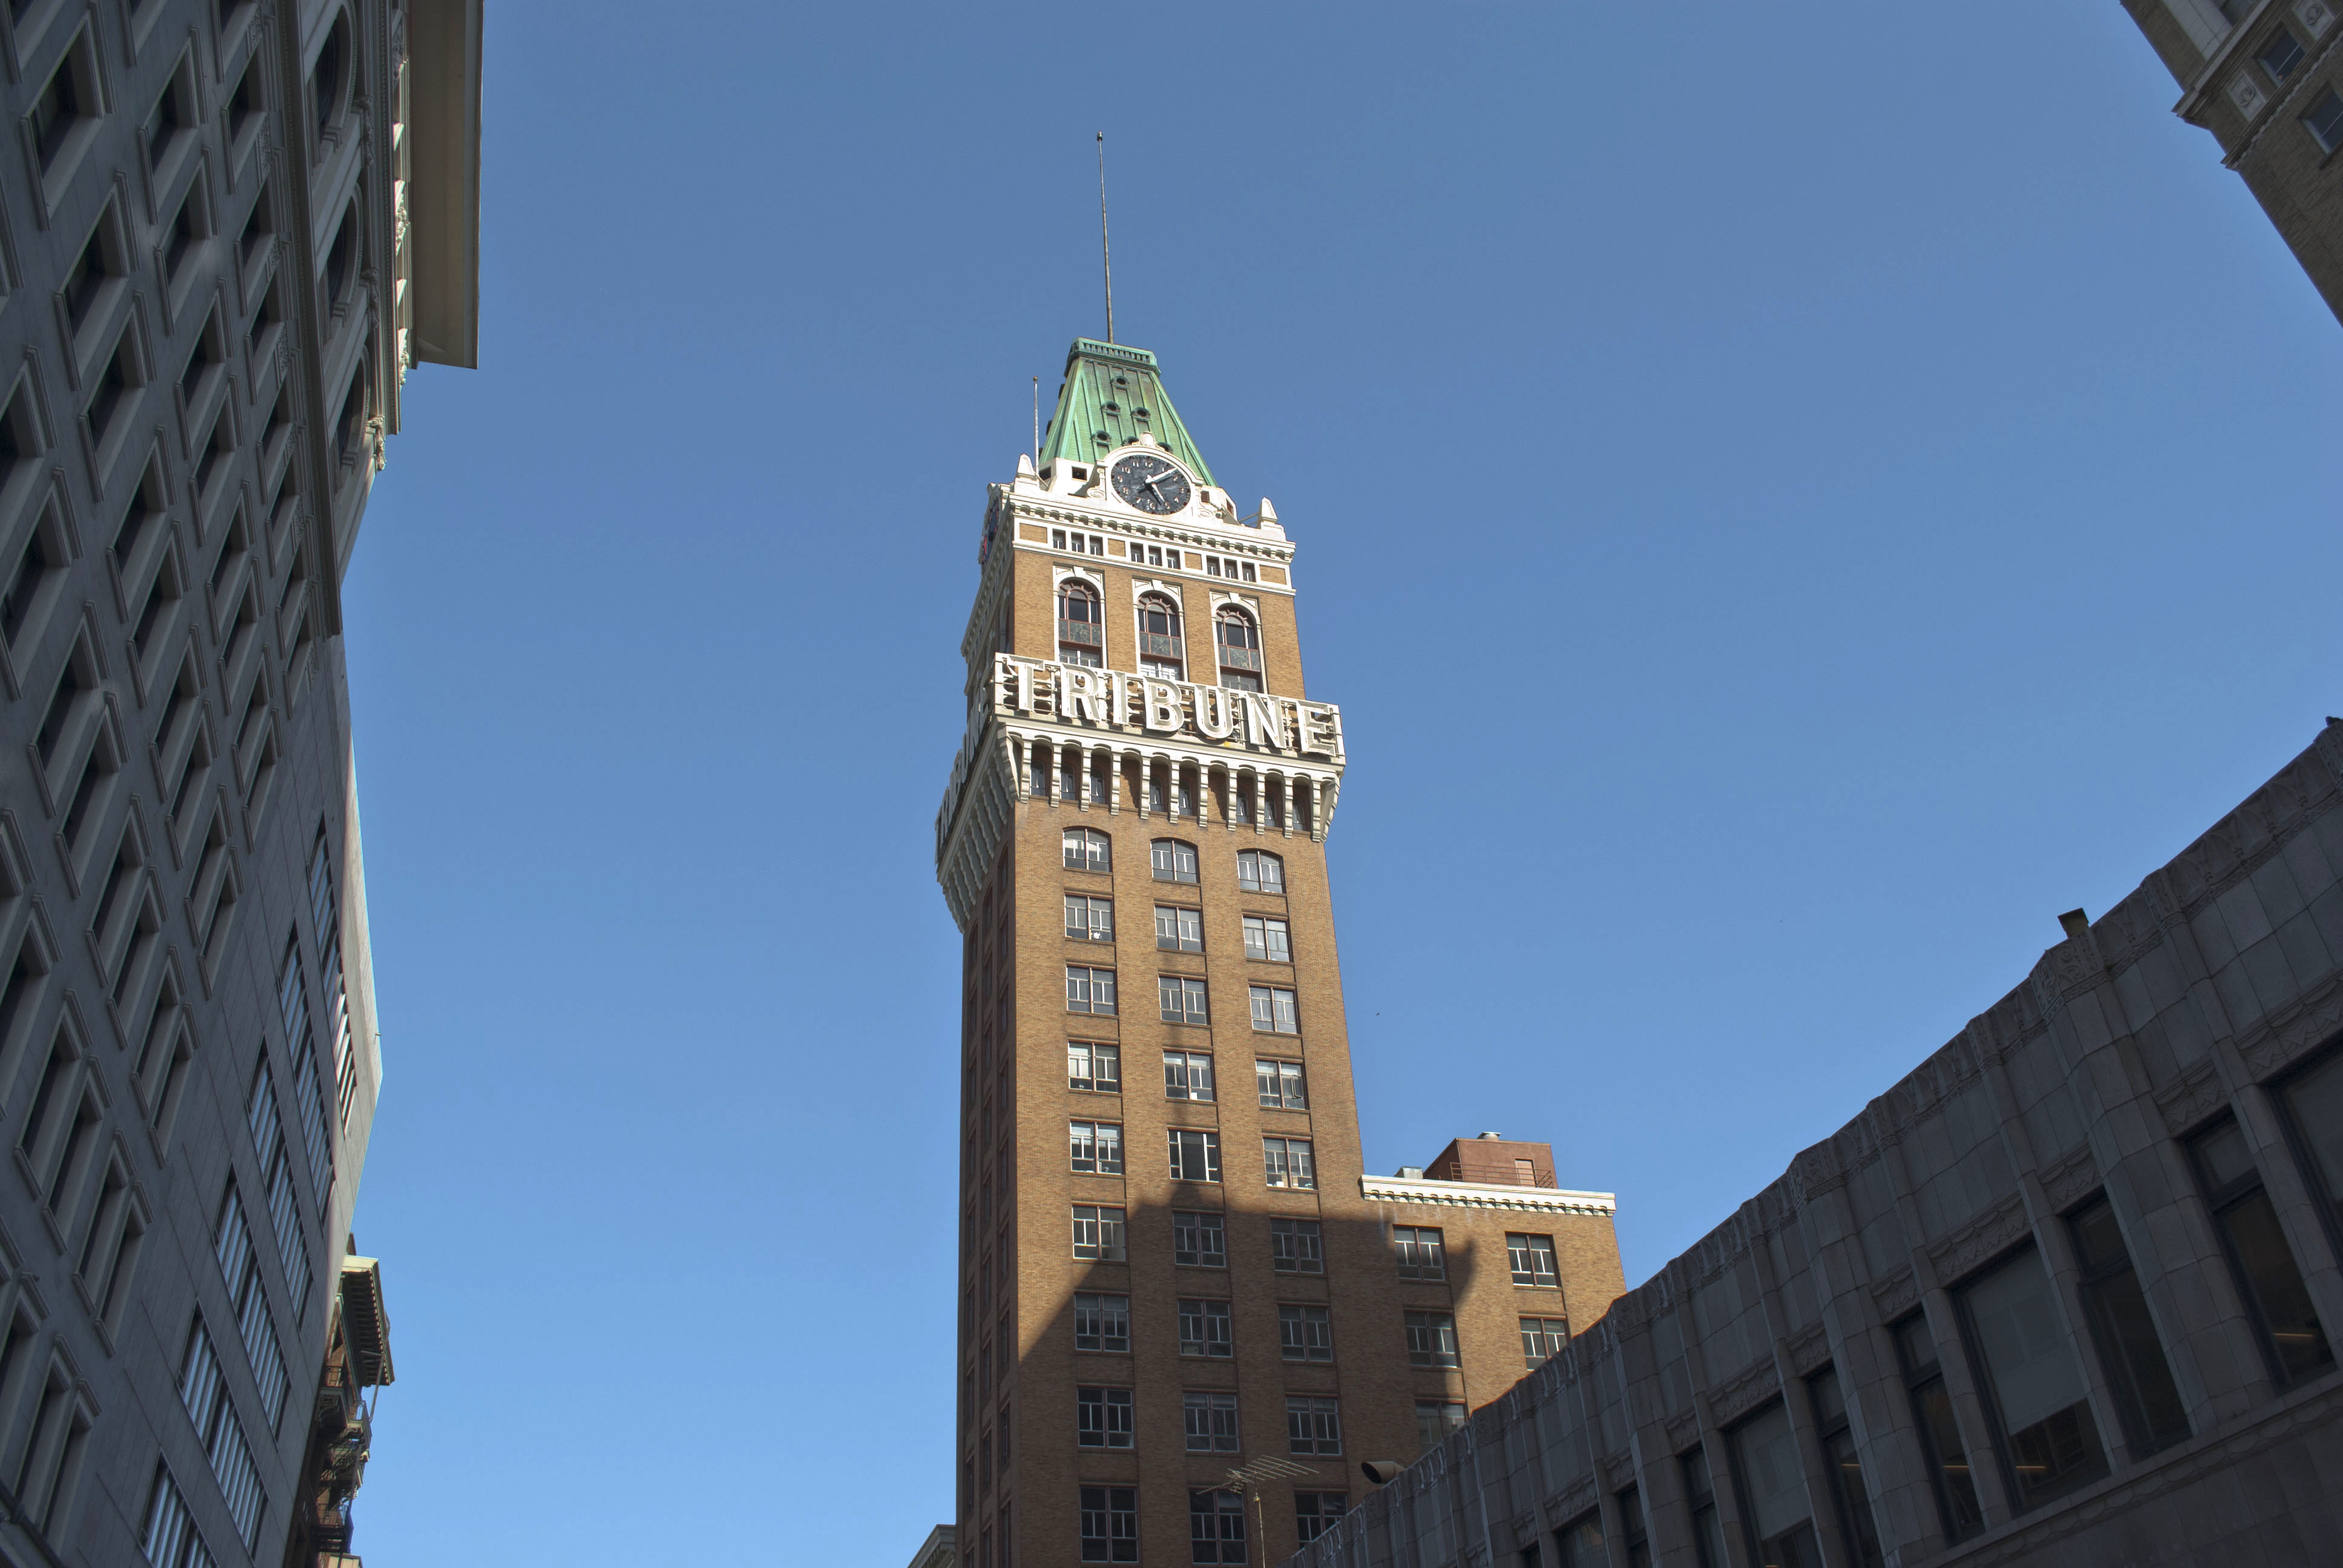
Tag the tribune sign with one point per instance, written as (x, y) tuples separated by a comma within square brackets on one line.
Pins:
[(1113, 699)]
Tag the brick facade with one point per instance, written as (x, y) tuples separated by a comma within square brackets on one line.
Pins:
[(1001, 854)]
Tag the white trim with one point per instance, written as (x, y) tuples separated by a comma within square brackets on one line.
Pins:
[(1484, 1195)]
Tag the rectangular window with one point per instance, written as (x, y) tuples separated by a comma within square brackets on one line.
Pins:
[(1171, 862), (1187, 1075), (1304, 1333), (1259, 872), (1316, 1513), (1211, 1421), (1273, 1011), (1087, 850), (1198, 1240), (1844, 1466), (1094, 1067), (1102, 1417), (1204, 1329), (1266, 939), (1182, 998), (2259, 1259), (1700, 1499), (1543, 1339), (1179, 928), (1098, 1233), (2324, 121), (1195, 1154), (1090, 989), (1434, 1419), (1579, 1543), (1312, 1425), (1420, 1252), (1296, 1247), (1286, 1162), (1216, 1527), (1089, 920), (2049, 1439), (1110, 1524), (1633, 1536), (2146, 1401), (1532, 1259), (1096, 1147), (1101, 1322), (1773, 1484), (1431, 1340), (1940, 1436), (2313, 1104), (2280, 54), (1280, 1085)]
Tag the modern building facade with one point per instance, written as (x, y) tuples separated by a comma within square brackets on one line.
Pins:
[(227, 230), (2264, 77), (2070, 1293), (1170, 1270)]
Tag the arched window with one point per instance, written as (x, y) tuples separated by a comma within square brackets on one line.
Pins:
[(1161, 651), (1087, 851), (329, 77), (1259, 872), (1082, 624), (1172, 861), (1237, 642)]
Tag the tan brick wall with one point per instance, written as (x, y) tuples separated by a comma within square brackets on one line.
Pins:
[(1370, 1373)]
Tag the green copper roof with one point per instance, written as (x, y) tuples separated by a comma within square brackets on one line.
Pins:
[(1112, 394)]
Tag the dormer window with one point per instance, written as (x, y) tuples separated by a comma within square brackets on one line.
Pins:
[(1081, 625), (1161, 651), (1237, 643)]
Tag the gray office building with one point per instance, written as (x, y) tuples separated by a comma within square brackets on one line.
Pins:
[(2069, 1293), (227, 230)]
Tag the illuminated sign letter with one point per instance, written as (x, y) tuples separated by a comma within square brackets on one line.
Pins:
[(1265, 717), (1219, 714), (1163, 706), (1079, 696)]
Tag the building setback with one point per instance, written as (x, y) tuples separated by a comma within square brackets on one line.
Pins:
[(1172, 1263), (227, 230), (2069, 1293), (2266, 79)]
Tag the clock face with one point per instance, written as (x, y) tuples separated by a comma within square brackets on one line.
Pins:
[(1150, 483)]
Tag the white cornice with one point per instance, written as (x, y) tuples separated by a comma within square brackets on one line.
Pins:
[(1485, 1195)]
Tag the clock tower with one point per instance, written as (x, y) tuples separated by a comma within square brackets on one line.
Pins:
[(1186, 1314)]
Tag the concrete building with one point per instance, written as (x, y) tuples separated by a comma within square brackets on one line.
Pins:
[(227, 230), (2068, 1294), (1170, 1270), (2264, 77)]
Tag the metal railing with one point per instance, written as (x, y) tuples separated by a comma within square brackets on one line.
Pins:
[(1240, 658), (1155, 645), (1080, 631)]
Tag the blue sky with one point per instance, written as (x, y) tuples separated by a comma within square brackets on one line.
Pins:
[(1790, 498)]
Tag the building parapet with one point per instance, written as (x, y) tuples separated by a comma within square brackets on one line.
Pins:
[(1485, 1195)]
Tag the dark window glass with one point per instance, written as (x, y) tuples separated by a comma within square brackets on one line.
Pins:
[(1110, 1524), (1579, 1543), (2033, 1379), (1772, 1482), (1436, 1419), (2276, 1299), (2280, 56), (1198, 1240), (1700, 1497), (1314, 1513), (1631, 1529), (1940, 1435), (2124, 1334), (1102, 1417), (1848, 1494), (2314, 1108), (1216, 1527)]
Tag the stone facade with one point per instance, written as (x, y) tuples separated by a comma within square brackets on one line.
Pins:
[(2266, 79), (227, 230), (1157, 810), (2068, 1292)]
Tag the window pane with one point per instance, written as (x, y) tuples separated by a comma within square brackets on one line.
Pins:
[(2316, 1103), (2125, 1334), (2260, 1258), (2036, 1383), (1772, 1481)]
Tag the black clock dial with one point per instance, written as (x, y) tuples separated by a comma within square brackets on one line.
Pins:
[(1150, 483)]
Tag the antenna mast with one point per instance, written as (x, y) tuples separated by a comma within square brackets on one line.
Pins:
[(1106, 254), (1037, 419)]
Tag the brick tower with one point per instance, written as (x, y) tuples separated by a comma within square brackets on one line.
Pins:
[(1173, 1263)]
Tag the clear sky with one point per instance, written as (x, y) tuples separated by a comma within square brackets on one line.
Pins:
[(1789, 499)]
